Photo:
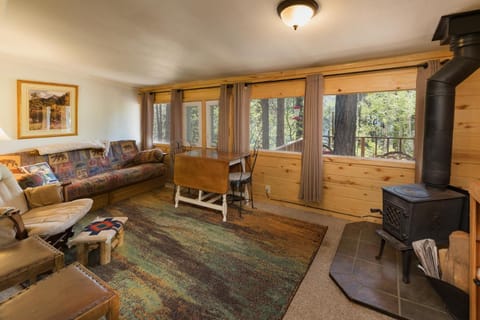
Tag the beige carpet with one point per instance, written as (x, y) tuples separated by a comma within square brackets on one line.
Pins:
[(318, 297)]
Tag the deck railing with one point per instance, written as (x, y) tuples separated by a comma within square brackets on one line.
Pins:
[(372, 147)]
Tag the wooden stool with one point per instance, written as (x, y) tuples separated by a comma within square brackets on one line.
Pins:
[(104, 232), (71, 293), (26, 259)]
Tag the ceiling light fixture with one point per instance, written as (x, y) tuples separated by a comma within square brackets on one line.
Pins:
[(297, 13)]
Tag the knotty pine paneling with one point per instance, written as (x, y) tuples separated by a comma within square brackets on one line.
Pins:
[(351, 186), (466, 133)]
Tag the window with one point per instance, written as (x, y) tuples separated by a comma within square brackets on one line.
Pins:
[(277, 123), (375, 124), (212, 123), (192, 123), (161, 123)]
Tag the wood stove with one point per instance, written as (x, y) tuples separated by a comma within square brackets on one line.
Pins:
[(431, 209), (414, 211)]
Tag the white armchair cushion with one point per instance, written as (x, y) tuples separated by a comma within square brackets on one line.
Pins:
[(44, 221), (56, 218)]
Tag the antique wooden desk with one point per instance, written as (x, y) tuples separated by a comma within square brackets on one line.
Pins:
[(206, 171)]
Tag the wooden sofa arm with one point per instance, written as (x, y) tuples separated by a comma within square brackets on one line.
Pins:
[(14, 215)]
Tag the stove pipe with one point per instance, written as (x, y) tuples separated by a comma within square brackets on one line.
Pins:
[(462, 31)]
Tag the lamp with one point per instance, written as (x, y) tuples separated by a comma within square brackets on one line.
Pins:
[(297, 13), (3, 135)]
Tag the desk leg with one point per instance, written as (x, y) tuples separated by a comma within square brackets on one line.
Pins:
[(224, 207), (177, 195)]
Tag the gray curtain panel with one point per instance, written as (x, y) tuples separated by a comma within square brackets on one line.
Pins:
[(311, 179), (422, 75), (176, 100), (223, 118), (241, 117), (147, 121)]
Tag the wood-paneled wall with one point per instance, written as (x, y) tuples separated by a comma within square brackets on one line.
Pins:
[(466, 133), (352, 185)]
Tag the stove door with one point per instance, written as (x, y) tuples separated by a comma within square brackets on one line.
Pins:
[(396, 217)]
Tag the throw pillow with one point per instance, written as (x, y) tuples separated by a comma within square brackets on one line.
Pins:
[(147, 156), (42, 169), (44, 195), (30, 180)]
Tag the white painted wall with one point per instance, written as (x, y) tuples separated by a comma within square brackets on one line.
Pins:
[(106, 110)]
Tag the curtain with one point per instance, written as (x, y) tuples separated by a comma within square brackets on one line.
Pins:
[(423, 73), (241, 117), (176, 100), (146, 121), (311, 174), (223, 118)]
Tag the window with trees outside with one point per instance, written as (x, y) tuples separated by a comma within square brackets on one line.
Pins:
[(161, 123), (200, 125), (276, 123), (192, 123), (212, 123), (370, 124)]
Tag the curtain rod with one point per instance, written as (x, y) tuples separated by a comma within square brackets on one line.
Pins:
[(424, 65)]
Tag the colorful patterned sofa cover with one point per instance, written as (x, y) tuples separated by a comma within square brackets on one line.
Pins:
[(89, 172)]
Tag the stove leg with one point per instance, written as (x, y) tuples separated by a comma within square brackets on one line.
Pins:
[(406, 258), (382, 246)]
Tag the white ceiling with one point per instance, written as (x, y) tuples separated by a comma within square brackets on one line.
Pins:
[(148, 42)]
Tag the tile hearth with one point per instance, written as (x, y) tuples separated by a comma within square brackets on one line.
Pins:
[(378, 283)]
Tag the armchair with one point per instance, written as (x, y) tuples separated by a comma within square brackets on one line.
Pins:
[(43, 215)]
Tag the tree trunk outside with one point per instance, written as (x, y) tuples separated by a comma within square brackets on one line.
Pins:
[(345, 124), (265, 125), (280, 122)]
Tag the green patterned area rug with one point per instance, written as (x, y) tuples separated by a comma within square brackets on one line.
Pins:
[(185, 263)]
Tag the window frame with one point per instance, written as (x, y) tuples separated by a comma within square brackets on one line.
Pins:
[(185, 106), (208, 123)]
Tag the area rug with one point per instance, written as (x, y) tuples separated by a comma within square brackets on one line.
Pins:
[(185, 263)]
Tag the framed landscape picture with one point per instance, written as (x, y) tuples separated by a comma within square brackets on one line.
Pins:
[(46, 109)]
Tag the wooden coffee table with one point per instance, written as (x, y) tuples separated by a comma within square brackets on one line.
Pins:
[(26, 259), (73, 292)]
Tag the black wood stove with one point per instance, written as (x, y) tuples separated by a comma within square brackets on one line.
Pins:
[(432, 209), (414, 211)]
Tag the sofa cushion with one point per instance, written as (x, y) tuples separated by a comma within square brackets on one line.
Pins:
[(114, 179)]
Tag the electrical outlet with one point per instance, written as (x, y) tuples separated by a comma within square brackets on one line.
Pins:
[(268, 189)]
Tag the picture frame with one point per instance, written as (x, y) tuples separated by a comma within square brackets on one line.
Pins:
[(46, 109)]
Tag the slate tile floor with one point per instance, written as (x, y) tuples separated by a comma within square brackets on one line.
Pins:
[(377, 283)]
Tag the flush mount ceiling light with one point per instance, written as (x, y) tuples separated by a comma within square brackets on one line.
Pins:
[(297, 13)]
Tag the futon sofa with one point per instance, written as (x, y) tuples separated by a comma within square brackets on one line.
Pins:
[(106, 175)]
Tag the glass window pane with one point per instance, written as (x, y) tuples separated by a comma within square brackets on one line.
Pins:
[(161, 123), (212, 124), (277, 123), (192, 124), (372, 125)]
